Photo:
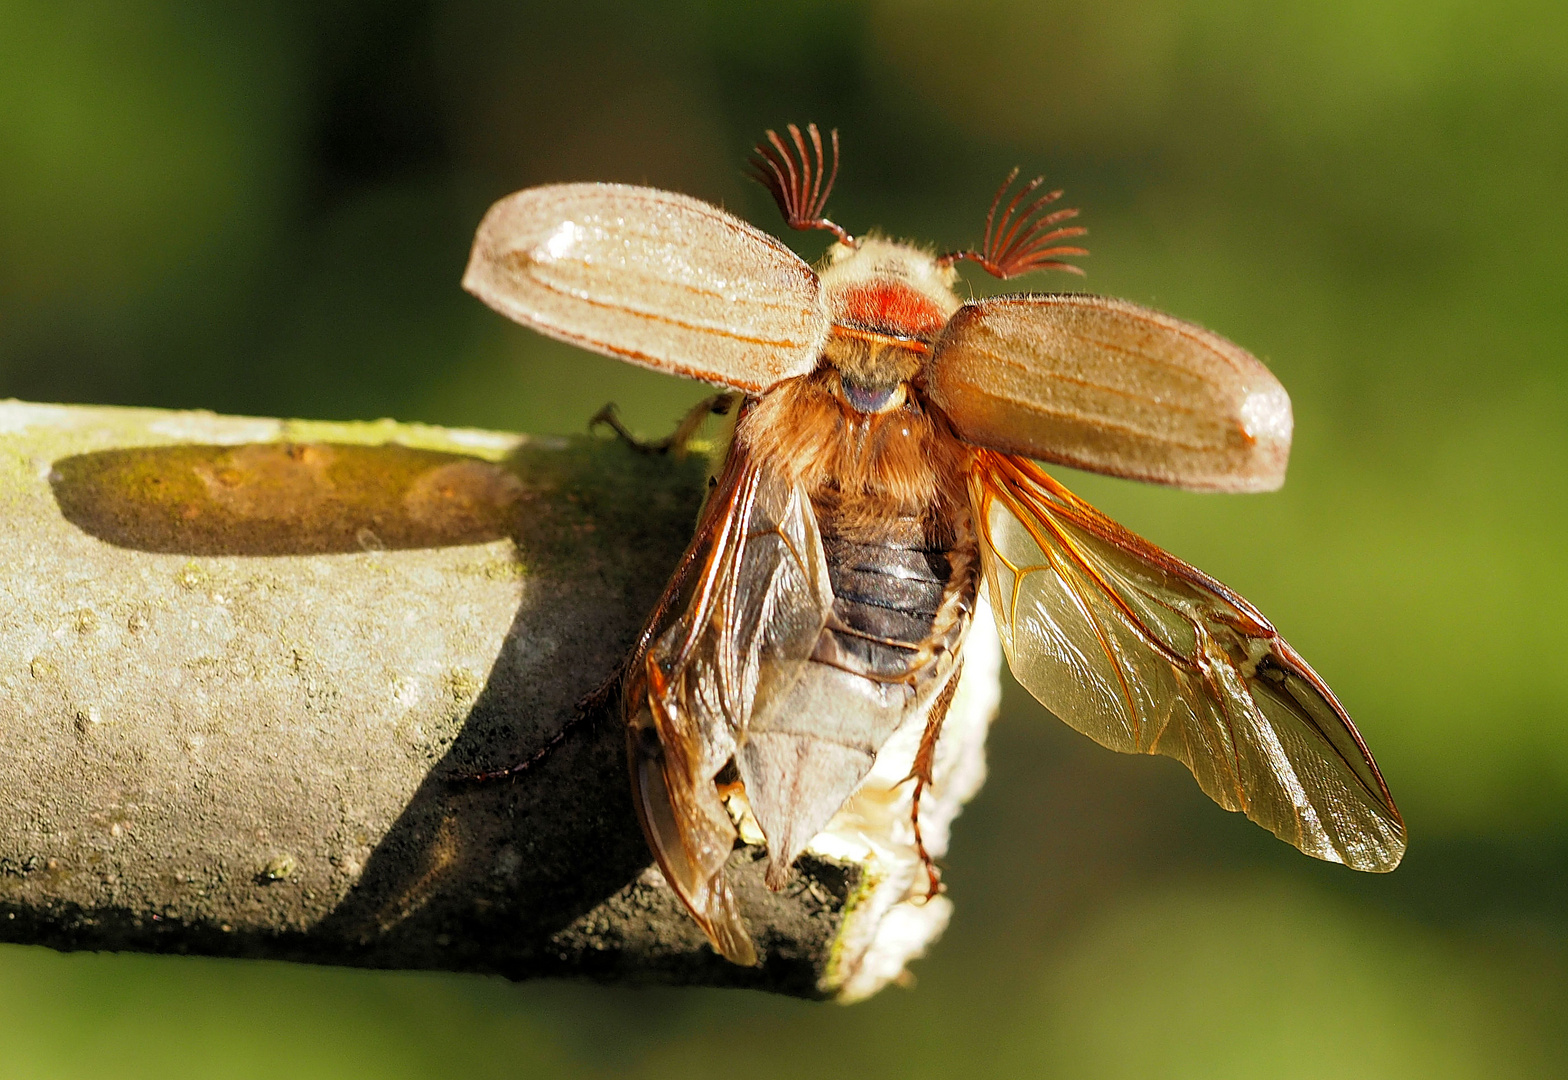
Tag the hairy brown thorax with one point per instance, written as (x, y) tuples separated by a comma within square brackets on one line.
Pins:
[(861, 469)]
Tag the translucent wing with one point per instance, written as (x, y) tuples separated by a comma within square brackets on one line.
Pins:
[(659, 279), (729, 640), (1112, 387), (1145, 654)]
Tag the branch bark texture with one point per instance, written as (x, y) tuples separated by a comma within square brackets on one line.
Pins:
[(243, 660)]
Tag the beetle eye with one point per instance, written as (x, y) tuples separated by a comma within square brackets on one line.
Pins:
[(868, 399)]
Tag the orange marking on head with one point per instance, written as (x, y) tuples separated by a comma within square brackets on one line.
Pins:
[(889, 307)]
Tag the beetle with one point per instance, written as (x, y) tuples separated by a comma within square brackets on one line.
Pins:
[(880, 468)]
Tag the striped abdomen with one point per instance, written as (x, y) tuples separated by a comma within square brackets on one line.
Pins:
[(888, 593)]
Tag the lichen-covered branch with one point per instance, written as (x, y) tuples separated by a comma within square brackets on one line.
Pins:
[(244, 664)]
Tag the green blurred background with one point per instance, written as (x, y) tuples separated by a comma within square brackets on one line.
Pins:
[(265, 207)]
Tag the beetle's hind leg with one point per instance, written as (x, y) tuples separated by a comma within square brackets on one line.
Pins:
[(921, 771), (678, 440), (591, 705)]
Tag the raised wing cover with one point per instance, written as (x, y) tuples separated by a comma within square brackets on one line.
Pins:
[(1112, 387), (660, 279)]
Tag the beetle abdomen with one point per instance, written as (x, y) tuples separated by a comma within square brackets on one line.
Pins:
[(886, 595)]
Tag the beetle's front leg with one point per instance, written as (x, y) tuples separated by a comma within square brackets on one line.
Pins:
[(678, 440)]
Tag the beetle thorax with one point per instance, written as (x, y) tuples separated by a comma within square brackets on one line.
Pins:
[(888, 301)]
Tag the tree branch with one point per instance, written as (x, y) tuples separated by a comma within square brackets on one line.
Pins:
[(243, 660)]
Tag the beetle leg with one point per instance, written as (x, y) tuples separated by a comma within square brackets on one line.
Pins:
[(610, 419), (592, 704), (920, 773), (676, 442)]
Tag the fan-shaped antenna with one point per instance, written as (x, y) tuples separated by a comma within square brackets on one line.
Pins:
[(795, 178), (1020, 241)]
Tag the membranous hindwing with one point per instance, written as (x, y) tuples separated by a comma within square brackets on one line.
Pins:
[(750, 625), (754, 600), (1146, 655)]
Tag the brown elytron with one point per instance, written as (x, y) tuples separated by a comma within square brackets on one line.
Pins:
[(878, 468)]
